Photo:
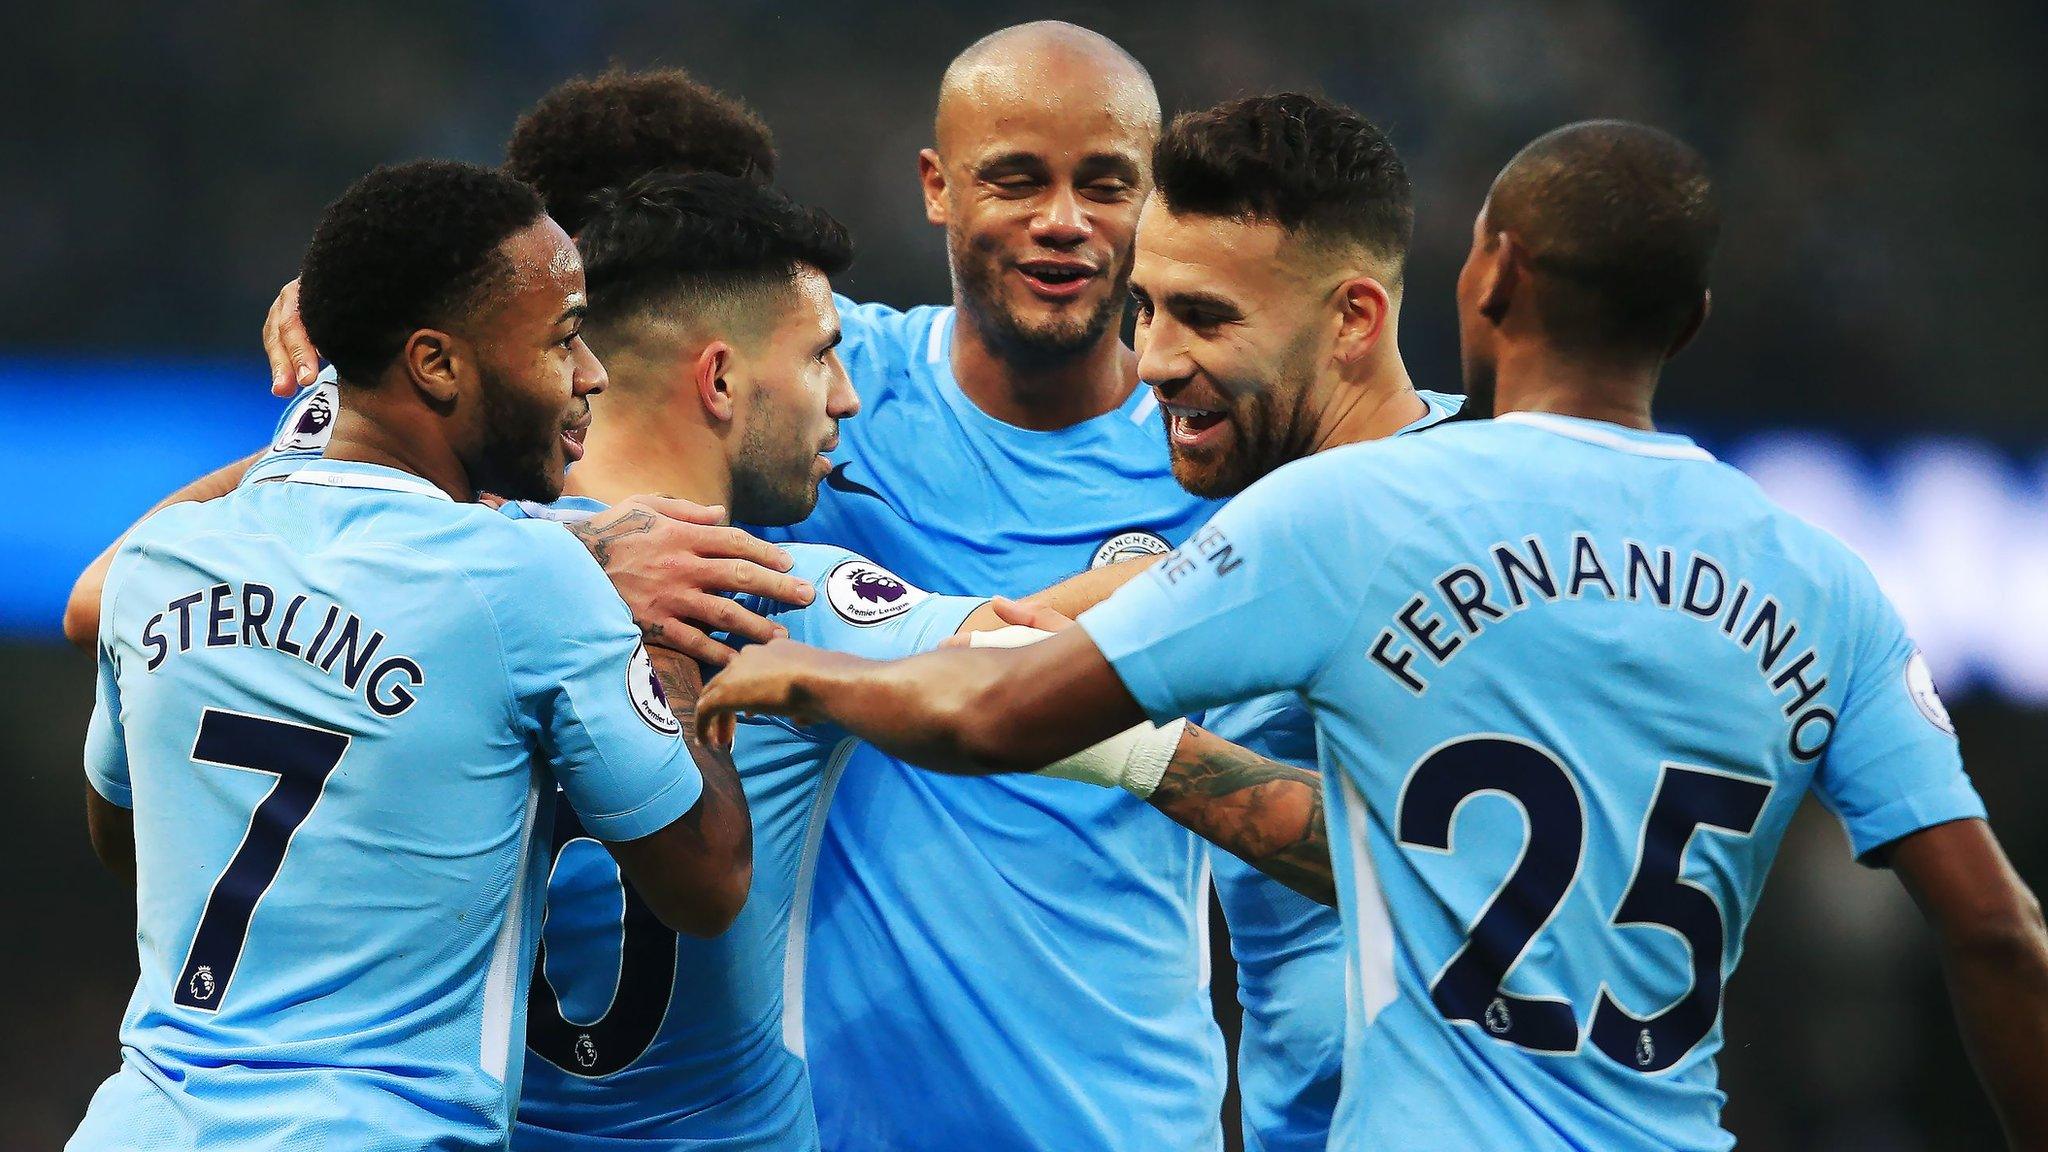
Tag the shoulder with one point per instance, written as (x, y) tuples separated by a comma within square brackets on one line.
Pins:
[(878, 336)]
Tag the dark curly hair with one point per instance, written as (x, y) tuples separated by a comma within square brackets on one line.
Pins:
[(407, 246), (699, 234), (1622, 221), (606, 131), (1310, 165)]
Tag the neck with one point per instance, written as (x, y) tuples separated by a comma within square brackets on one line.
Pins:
[(628, 453), (1043, 396), (369, 431), (1538, 379), (1378, 403)]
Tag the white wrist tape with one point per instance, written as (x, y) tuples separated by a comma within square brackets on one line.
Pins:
[(1008, 636), (1134, 759)]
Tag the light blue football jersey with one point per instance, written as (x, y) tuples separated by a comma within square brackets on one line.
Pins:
[(1018, 963), (1570, 682), (1289, 949), (640, 1038), (336, 705)]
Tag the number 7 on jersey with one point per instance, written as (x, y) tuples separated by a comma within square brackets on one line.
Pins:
[(301, 758)]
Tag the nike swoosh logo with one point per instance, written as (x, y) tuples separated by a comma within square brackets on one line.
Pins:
[(837, 478)]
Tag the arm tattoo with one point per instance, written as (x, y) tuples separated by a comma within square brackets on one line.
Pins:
[(681, 681), (598, 534), (1267, 813)]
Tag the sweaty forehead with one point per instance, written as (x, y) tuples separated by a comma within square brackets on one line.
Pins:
[(1050, 104), (546, 270), (1214, 254)]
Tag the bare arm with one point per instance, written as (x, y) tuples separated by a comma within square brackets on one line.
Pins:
[(112, 829), (1267, 813), (696, 872), (969, 711), (82, 610), (1994, 951)]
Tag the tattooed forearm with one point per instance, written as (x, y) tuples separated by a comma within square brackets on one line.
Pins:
[(600, 533), (681, 682), (1268, 813)]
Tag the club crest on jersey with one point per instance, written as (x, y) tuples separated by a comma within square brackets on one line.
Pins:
[(865, 594), (1129, 546), (309, 432), (201, 986), (1920, 684), (650, 700)]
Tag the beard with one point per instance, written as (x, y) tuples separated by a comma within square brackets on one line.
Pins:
[(1268, 428), (520, 455), (773, 481), (979, 274)]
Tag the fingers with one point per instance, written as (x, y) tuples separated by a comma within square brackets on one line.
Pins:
[(688, 511), (715, 727), (1029, 615), (281, 375), (296, 341), (723, 615), (682, 638)]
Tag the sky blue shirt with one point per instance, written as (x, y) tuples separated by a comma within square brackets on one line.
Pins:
[(1570, 681), (640, 1038), (1288, 948), (336, 705), (1018, 963)]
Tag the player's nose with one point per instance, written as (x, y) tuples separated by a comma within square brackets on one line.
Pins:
[(588, 375), (841, 401), (1163, 359), (1063, 219)]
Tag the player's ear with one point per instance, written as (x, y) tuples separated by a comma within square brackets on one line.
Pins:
[(1363, 306), (435, 362), (712, 374), (931, 174), (1500, 273), (1692, 325)]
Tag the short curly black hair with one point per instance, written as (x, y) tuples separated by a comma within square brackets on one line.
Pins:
[(609, 130), (406, 247), (673, 239), (1310, 165)]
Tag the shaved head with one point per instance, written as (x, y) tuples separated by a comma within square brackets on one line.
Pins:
[(1045, 61), (1621, 221)]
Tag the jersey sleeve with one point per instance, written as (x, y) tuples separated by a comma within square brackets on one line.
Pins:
[(864, 609), (302, 431), (1892, 766), (1252, 603), (106, 747), (584, 683)]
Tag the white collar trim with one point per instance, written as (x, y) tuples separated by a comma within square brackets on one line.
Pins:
[(1607, 436), (384, 479)]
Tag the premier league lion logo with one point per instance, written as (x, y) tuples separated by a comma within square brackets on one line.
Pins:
[(864, 594), (309, 432), (650, 700)]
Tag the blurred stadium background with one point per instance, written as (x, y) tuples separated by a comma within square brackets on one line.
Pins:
[(1874, 357)]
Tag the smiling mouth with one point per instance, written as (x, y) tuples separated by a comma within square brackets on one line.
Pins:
[(1056, 280), (572, 441), (1187, 425)]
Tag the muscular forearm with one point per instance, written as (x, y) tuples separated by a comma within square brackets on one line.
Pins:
[(1994, 951), (82, 610), (1267, 813), (1999, 984), (695, 873)]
